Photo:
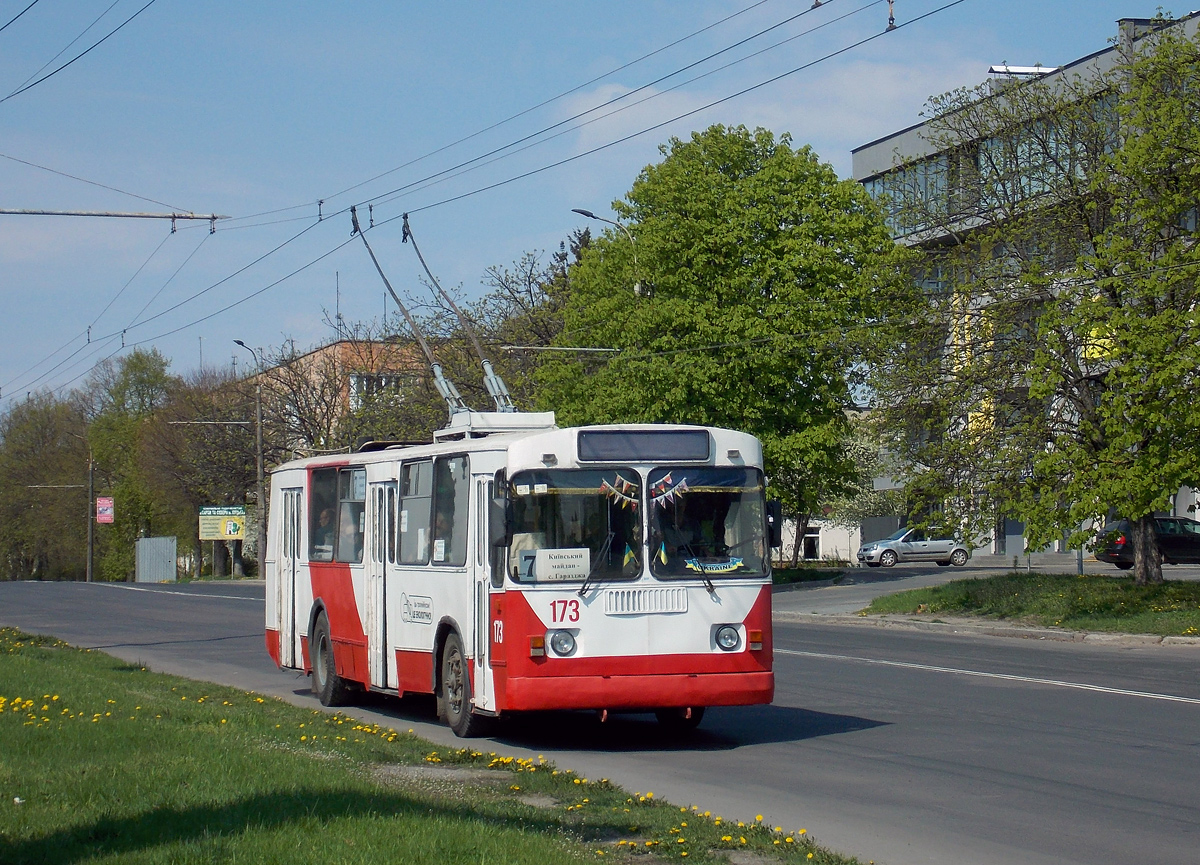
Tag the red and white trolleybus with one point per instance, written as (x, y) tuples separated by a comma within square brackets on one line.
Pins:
[(512, 566)]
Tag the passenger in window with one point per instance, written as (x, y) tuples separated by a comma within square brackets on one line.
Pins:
[(350, 545)]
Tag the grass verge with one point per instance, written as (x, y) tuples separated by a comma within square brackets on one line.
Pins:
[(105, 762), (1087, 603)]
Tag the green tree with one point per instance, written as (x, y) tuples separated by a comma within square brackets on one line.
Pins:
[(1050, 375), (43, 494), (756, 270), (119, 401)]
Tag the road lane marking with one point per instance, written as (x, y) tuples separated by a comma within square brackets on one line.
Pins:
[(169, 592), (1008, 677)]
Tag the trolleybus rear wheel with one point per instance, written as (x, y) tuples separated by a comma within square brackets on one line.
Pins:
[(329, 687), (456, 693)]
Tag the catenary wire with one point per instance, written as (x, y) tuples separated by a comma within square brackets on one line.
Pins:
[(598, 107), (418, 186), (69, 45), (94, 183), (678, 117), (18, 15), (85, 332), (519, 114), (517, 177), (80, 55)]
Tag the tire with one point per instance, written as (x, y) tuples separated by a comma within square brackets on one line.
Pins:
[(455, 693), (677, 720), (329, 687), (958, 558), (1124, 566), (888, 558)]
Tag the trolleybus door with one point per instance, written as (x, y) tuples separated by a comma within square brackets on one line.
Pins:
[(289, 554), (481, 677), (382, 548)]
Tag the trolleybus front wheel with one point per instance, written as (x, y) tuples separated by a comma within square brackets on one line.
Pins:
[(326, 683), (680, 719), (456, 693)]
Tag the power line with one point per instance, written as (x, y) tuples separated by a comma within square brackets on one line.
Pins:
[(678, 117), (605, 104), (80, 55), (421, 185), (92, 182), (68, 46), (19, 14), (521, 113)]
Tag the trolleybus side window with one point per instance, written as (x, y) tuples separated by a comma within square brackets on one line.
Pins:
[(322, 514), (569, 524), (416, 491), (452, 489), (352, 499)]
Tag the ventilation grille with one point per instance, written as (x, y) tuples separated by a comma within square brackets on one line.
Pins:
[(636, 602)]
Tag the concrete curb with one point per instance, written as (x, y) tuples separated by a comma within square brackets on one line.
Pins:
[(984, 628)]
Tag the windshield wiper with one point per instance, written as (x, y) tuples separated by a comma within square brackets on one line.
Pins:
[(600, 556), (708, 584)]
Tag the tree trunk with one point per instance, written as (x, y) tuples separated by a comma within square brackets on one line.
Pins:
[(1147, 559), (236, 554), (798, 545), (220, 554)]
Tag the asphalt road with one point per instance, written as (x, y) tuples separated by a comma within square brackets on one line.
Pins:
[(895, 746)]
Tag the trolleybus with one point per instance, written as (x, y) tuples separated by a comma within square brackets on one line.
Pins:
[(512, 566)]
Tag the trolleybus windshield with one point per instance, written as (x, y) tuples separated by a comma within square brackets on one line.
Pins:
[(569, 524), (707, 522)]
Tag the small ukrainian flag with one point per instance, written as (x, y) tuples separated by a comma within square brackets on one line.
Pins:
[(629, 557), (662, 554)]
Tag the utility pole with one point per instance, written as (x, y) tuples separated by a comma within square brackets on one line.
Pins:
[(91, 514), (261, 516)]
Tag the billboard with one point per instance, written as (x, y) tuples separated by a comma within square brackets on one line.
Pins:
[(105, 512), (223, 523)]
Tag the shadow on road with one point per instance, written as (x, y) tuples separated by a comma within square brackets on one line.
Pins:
[(722, 729)]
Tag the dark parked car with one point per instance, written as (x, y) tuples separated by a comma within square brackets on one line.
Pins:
[(1178, 541)]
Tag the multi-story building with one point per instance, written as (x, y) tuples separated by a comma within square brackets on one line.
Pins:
[(970, 182)]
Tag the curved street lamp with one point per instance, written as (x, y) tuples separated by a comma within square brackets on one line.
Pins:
[(261, 534), (637, 285)]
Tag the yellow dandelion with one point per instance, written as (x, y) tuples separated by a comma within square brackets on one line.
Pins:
[(758, 818)]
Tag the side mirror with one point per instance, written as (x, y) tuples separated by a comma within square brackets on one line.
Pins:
[(775, 523), (500, 521)]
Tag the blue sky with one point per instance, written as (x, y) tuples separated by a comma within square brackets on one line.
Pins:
[(242, 108)]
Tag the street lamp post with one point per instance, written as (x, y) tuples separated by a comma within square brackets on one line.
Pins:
[(637, 285), (262, 504)]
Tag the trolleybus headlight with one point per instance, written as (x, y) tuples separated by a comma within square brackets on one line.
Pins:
[(562, 642), (728, 638)]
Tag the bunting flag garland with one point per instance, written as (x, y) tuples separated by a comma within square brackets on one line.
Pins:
[(663, 493), (625, 486), (662, 554), (629, 556), (617, 495), (714, 567)]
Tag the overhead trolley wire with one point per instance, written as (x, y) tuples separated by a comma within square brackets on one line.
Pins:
[(677, 117), (420, 185), (94, 183), (69, 45), (80, 55), (519, 114), (18, 15), (504, 182), (605, 104)]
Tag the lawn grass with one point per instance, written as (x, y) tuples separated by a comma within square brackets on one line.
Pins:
[(1087, 603), (104, 762)]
